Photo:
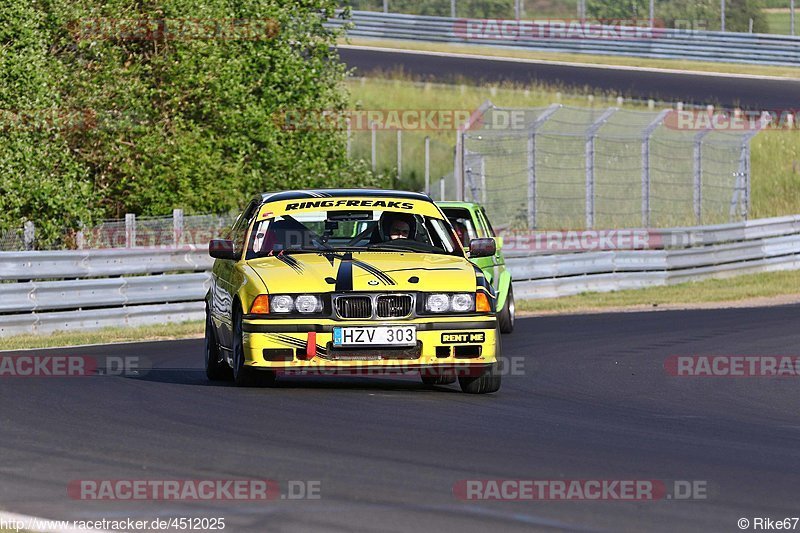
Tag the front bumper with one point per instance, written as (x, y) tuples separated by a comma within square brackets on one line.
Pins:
[(306, 344)]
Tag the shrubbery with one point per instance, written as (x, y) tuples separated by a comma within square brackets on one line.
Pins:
[(96, 126)]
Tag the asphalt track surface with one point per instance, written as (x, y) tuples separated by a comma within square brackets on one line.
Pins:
[(669, 86), (594, 402)]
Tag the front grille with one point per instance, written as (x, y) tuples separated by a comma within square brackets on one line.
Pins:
[(373, 354), (354, 307), (394, 305)]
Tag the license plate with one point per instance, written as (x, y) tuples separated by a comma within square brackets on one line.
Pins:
[(375, 336)]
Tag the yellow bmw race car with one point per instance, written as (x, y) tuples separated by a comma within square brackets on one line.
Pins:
[(350, 281)]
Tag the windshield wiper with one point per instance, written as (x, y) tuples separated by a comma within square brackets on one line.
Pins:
[(394, 249), (301, 250)]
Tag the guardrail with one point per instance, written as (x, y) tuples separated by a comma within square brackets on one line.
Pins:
[(753, 48), (682, 254), (87, 289), (69, 290)]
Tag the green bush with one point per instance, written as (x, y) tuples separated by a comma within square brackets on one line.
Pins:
[(95, 125)]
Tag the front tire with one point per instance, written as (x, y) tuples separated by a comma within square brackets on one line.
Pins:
[(244, 376), (216, 369), (507, 315), (487, 382), (432, 378)]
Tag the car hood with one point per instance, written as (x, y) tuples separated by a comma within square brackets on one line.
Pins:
[(368, 271)]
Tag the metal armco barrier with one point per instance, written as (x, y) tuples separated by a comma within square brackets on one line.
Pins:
[(42, 292), (51, 291), (753, 48), (683, 254)]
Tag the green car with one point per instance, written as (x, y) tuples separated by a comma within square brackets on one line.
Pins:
[(470, 222)]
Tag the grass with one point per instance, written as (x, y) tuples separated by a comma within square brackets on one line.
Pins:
[(775, 157), (399, 92), (729, 290), (780, 21), (494, 51), (159, 332)]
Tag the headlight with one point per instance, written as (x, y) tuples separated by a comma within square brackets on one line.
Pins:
[(437, 303), (308, 303), (281, 304), (457, 303), (462, 303)]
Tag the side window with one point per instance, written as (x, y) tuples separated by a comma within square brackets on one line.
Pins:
[(480, 224), (239, 229), (485, 221)]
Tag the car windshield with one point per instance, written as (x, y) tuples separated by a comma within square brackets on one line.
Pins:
[(351, 231)]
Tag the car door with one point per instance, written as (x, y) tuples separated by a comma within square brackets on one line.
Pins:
[(226, 279)]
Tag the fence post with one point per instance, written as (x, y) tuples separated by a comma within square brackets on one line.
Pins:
[(698, 176), (483, 181), (744, 162), (647, 134), (130, 230), (349, 136), (374, 151), (460, 159), (427, 165), (28, 235), (458, 174), (177, 226), (80, 238), (399, 154), (453, 8), (532, 192), (441, 189), (385, 6), (591, 133)]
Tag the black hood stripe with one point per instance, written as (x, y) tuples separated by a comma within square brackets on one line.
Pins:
[(422, 268), (291, 262), (344, 277), (375, 271)]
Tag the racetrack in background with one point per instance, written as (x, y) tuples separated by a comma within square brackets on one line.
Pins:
[(748, 92)]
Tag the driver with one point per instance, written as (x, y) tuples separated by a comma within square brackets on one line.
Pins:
[(397, 226)]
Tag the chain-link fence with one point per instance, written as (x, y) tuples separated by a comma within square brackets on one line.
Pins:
[(131, 232), (568, 167), (413, 159)]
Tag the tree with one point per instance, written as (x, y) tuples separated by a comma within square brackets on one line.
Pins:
[(163, 104)]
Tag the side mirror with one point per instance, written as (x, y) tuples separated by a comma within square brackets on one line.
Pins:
[(482, 248), (221, 249)]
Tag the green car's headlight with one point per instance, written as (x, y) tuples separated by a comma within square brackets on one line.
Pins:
[(456, 303)]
